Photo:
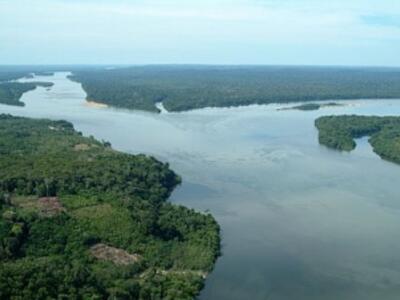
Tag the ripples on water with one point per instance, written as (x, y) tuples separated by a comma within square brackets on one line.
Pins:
[(299, 221)]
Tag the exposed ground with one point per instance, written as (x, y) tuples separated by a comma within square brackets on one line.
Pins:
[(117, 256)]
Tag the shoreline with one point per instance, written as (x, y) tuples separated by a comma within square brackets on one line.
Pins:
[(94, 104)]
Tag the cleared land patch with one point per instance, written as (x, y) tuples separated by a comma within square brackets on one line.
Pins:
[(117, 256)]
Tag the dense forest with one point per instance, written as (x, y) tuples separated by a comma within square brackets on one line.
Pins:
[(10, 72), (188, 87), (311, 106), (13, 75), (79, 220), (43, 73), (11, 92), (339, 132)]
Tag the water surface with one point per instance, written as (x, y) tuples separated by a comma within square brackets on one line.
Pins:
[(299, 221)]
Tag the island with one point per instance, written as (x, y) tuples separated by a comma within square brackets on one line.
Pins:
[(311, 106), (186, 87), (79, 220), (43, 73), (339, 132), (11, 92)]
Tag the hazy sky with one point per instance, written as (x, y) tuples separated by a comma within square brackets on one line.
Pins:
[(328, 32)]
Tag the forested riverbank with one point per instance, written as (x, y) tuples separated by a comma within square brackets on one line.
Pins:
[(11, 91), (339, 132), (182, 88), (79, 219), (264, 178), (187, 87)]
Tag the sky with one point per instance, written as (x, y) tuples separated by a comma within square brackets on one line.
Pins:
[(268, 32)]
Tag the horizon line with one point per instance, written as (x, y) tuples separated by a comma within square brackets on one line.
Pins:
[(195, 64)]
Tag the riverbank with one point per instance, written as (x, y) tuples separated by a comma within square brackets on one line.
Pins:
[(82, 201), (293, 214), (94, 104)]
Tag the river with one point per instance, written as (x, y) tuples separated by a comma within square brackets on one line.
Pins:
[(299, 221)]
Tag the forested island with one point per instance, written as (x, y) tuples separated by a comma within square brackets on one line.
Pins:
[(339, 132), (79, 220), (182, 88), (11, 92), (43, 73), (311, 106)]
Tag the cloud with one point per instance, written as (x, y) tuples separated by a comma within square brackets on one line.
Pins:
[(242, 31)]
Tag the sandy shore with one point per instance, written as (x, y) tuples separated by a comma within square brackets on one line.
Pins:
[(95, 104), (161, 107)]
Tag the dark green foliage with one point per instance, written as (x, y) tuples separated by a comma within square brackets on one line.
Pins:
[(339, 132), (49, 161), (51, 277), (11, 92), (170, 286), (102, 196), (387, 143), (10, 72), (13, 75), (311, 106), (188, 87), (43, 73), (192, 228)]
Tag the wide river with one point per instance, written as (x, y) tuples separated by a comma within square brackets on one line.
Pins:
[(299, 221)]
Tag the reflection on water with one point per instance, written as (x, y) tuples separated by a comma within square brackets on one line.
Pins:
[(299, 221)]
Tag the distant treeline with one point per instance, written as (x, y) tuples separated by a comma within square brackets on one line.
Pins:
[(13, 75), (8, 73), (11, 91), (43, 73), (339, 132), (188, 87)]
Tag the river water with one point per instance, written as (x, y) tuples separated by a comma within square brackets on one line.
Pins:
[(299, 221)]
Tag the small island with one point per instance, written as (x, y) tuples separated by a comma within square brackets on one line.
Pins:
[(339, 132), (79, 220), (312, 106), (43, 73)]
